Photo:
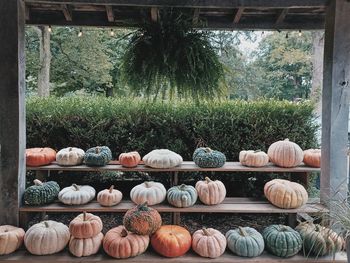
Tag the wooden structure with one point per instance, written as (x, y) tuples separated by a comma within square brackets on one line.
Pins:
[(331, 15)]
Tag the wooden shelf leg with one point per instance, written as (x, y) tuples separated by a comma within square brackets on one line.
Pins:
[(176, 218), (40, 175), (174, 179), (292, 220)]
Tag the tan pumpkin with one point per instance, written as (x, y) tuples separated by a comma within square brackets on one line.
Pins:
[(85, 225), (119, 243), (285, 194), (253, 158), (130, 159), (11, 238), (211, 192), (151, 192), (109, 197), (312, 157), (83, 247), (285, 153), (47, 237), (209, 243)]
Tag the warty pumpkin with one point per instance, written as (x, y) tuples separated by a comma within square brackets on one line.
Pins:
[(70, 156), (245, 242), (41, 193), (151, 192), (11, 238), (205, 157), (312, 157), (208, 242), (40, 156), (171, 241), (76, 194), (182, 195), (109, 197), (98, 156), (285, 153), (119, 243), (84, 247), (162, 158), (211, 192), (142, 220), (285, 194), (253, 158), (129, 159), (85, 225)]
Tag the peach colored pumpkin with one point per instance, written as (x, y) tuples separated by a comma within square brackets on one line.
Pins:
[(83, 247), (253, 158), (211, 192), (285, 153), (312, 157), (85, 225), (130, 159), (11, 238), (40, 156), (151, 192), (208, 243), (109, 197), (285, 194), (119, 243)]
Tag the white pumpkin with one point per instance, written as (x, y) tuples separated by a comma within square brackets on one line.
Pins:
[(47, 237), (83, 247), (70, 156), (162, 158), (151, 192), (76, 194)]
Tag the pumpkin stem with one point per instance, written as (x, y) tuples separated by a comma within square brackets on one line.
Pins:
[(286, 139), (76, 187), (242, 232), (84, 216), (124, 233), (283, 228), (143, 207), (182, 187), (206, 232), (46, 224), (207, 179), (111, 189), (147, 184), (38, 182), (98, 149), (257, 151), (208, 150)]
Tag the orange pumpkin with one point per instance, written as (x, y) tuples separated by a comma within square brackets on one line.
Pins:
[(285, 153), (171, 241), (312, 157), (85, 225), (119, 243), (83, 247), (40, 156), (130, 159)]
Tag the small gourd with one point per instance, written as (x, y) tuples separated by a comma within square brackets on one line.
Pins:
[(98, 156), (76, 194), (253, 158), (84, 247), (70, 156), (182, 195), (208, 243), (211, 192), (205, 157), (109, 197), (162, 158), (85, 225), (151, 192), (41, 193), (285, 153), (312, 157), (130, 159), (11, 238)]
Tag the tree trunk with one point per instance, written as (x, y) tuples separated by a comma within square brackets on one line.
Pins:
[(317, 68), (44, 61), (109, 92)]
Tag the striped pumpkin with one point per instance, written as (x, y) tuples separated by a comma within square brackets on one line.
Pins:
[(182, 195)]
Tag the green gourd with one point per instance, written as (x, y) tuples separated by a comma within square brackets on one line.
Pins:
[(245, 242), (98, 156), (282, 241), (207, 158), (182, 195), (41, 193)]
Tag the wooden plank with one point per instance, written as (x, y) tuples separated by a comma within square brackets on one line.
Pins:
[(66, 12), (238, 15), (335, 102), (12, 109), (281, 16), (195, 18), (110, 13), (154, 14), (231, 205), (27, 12)]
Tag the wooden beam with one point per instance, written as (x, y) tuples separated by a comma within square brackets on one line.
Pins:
[(12, 110), (66, 12), (154, 14), (195, 18), (110, 13), (238, 15), (281, 16), (27, 12), (335, 102)]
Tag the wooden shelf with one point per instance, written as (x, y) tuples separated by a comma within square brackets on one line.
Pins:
[(149, 256), (230, 205), (184, 167)]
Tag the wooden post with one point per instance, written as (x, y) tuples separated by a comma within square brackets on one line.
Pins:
[(335, 102), (12, 109)]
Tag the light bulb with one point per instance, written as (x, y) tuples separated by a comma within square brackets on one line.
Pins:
[(111, 33), (80, 34), (300, 34), (49, 29)]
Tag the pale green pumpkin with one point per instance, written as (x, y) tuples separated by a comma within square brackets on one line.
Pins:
[(207, 158), (182, 195)]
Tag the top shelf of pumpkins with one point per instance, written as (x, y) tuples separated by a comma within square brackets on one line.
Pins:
[(285, 154)]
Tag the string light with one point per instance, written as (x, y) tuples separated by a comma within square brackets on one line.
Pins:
[(111, 33), (80, 34), (300, 34), (49, 29)]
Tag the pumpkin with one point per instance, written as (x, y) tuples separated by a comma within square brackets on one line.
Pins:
[(119, 243), (142, 220), (130, 159), (171, 241), (11, 238), (253, 158), (47, 237), (208, 243), (211, 192), (98, 156), (245, 242), (319, 240), (151, 192), (285, 194), (162, 158), (85, 225), (285, 153), (205, 157), (282, 241), (40, 156), (41, 193), (109, 197), (76, 194), (312, 157), (182, 195), (83, 247), (70, 156)]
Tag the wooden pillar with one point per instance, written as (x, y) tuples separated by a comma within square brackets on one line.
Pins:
[(12, 109), (335, 101)]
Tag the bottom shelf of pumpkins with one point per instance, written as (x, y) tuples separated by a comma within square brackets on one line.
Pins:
[(142, 227)]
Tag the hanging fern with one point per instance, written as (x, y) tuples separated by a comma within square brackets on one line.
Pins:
[(171, 59)]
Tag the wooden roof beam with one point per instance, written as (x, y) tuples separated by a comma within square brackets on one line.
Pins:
[(66, 12), (154, 14), (195, 18), (238, 15), (110, 13), (281, 16)]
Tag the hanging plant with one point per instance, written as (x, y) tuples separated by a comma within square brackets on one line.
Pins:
[(170, 58)]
